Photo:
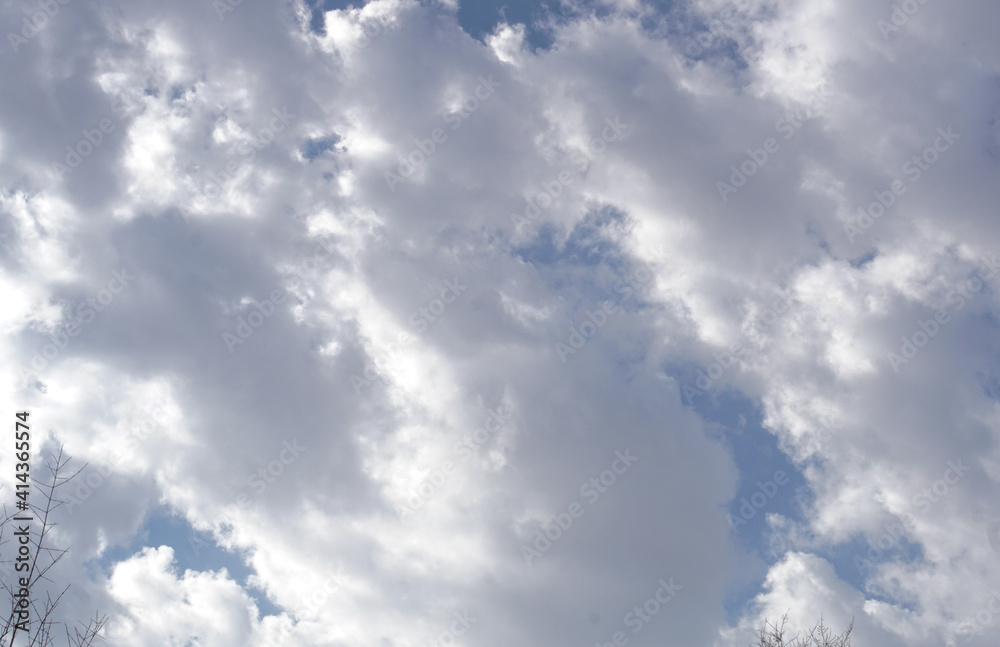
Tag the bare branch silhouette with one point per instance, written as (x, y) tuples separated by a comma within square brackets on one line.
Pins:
[(43, 558), (772, 634)]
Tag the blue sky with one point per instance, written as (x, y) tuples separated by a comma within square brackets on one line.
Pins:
[(370, 319), (479, 19)]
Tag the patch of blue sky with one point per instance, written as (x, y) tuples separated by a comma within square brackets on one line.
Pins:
[(317, 147), (480, 18), (193, 550), (857, 560), (769, 482), (590, 257), (736, 421), (695, 37)]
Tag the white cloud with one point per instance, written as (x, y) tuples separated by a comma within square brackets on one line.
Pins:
[(306, 209)]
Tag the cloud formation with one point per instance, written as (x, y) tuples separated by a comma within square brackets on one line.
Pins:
[(377, 306)]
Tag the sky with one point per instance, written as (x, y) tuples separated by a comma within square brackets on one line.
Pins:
[(427, 323)]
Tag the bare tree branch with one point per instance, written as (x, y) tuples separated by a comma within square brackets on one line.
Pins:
[(43, 558), (772, 634)]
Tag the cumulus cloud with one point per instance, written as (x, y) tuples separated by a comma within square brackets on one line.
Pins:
[(378, 306)]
